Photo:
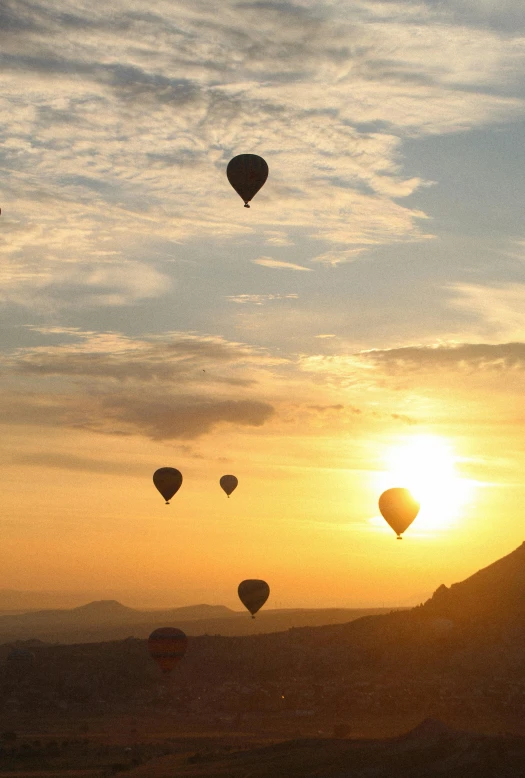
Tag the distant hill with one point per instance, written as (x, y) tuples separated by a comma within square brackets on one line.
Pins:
[(110, 620)]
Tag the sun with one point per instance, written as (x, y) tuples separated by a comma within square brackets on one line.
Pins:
[(426, 465)]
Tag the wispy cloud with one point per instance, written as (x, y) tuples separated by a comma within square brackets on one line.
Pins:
[(460, 356), (335, 257), (499, 310), (278, 264), (260, 299), (428, 383), (278, 238), (120, 136), (180, 357)]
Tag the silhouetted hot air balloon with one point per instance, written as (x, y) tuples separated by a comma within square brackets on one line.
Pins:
[(247, 173), (168, 481), (253, 594), (167, 646), (228, 483), (399, 508)]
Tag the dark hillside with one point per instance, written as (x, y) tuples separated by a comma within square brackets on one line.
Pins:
[(431, 749), (496, 592), (391, 668)]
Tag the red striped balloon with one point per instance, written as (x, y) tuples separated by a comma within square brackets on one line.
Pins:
[(167, 646)]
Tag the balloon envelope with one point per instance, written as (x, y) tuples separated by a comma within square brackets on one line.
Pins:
[(167, 646), (253, 594), (228, 483), (247, 173), (168, 481), (399, 508)]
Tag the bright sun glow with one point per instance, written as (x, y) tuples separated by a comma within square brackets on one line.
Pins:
[(426, 464)]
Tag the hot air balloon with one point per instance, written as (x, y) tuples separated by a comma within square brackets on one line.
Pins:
[(399, 508), (253, 594), (228, 483), (167, 646), (247, 173), (168, 481)]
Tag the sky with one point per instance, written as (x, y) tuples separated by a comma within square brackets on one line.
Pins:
[(361, 326)]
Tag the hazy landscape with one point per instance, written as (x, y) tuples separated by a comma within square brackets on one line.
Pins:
[(109, 620), (262, 353), (440, 685)]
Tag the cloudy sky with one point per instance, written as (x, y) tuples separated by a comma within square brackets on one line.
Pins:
[(361, 326)]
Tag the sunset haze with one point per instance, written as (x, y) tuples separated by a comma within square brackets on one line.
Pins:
[(360, 327)]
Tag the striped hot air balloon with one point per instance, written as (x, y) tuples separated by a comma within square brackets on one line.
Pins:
[(167, 646)]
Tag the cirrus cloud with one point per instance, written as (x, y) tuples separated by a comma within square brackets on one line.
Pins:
[(278, 264), (326, 92)]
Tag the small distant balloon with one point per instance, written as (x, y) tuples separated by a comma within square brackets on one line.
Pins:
[(228, 483), (247, 173), (167, 646), (168, 481), (253, 593), (399, 508)]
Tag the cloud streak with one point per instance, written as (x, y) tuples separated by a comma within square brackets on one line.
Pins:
[(260, 299), (157, 416), (180, 357), (278, 264), (464, 356)]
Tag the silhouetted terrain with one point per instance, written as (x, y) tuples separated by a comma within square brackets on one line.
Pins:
[(459, 658), (495, 593), (431, 749), (109, 620)]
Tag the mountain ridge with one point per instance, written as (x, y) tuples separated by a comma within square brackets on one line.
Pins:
[(497, 590), (495, 593), (110, 620)]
